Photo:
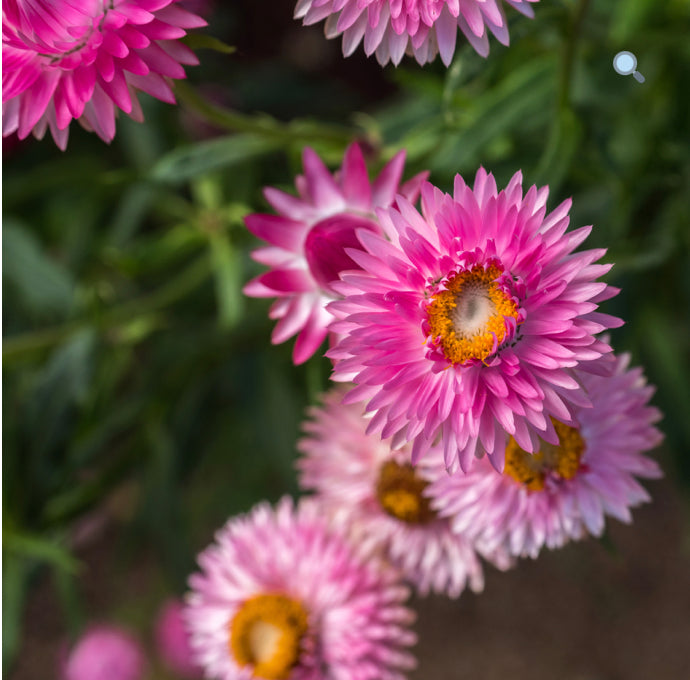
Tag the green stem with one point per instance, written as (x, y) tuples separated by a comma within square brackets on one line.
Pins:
[(569, 54), (263, 125), (26, 343)]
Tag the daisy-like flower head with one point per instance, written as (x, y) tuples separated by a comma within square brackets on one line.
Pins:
[(467, 322), (564, 491), (309, 237), (85, 59), (423, 28), (284, 596), (383, 500)]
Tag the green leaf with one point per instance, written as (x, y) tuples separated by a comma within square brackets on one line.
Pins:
[(39, 180), (629, 18), (142, 144), (191, 161), (227, 267), (43, 284), (297, 133), (40, 549), (15, 575), (502, 109), (48, 416), (101, 435), (160, 507), (156, 252), (80, 498), (130, 214), (66, 376), (201, 41), (207, 191), (421, 141), (560, 150), (405, 114)]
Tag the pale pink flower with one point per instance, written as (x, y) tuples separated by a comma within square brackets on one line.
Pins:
[(564, 492), (172, 641), (85, 59), (419, 28), (309, 237), (105, 653), (467, 320), (383, 500), (283, 595)]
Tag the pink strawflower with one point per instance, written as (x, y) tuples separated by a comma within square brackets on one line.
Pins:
[(309, 236), (283, 595), (105, 653), (564, 492), (85, 59), (422, 28), (383, 500), (172, 641), (466, 323)]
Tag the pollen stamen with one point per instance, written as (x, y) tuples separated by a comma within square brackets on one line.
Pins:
[(266, 633), (561, 462), (467, 318), (400, 493)]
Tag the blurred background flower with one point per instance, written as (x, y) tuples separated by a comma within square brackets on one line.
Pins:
[(384, 501), (172, 641), (563, 492), (309, 238), (105, 653), (282, 593), (419, 28)]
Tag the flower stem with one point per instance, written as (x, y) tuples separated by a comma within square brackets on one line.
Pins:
[(302, 131), (570, 48)]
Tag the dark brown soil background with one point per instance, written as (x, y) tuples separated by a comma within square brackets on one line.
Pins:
[(586, 612)]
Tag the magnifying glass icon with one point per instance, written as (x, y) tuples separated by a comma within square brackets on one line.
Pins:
[(625, 63)]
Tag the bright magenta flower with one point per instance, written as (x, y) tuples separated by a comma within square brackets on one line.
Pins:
[(466, 322), (85, 59), (423, 28), (105, 653), (309, 237), (563, 492), (283, 595), (384, 500)]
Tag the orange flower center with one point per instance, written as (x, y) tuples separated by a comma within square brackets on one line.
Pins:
[(532, 469), (400, 493), (266, 633), (467, 318)]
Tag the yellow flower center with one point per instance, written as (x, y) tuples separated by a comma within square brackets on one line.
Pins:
[(266, 633), (532, 469), (469, 313), (400, 492)]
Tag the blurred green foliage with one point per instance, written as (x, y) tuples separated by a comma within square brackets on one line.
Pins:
[(132, 359)]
